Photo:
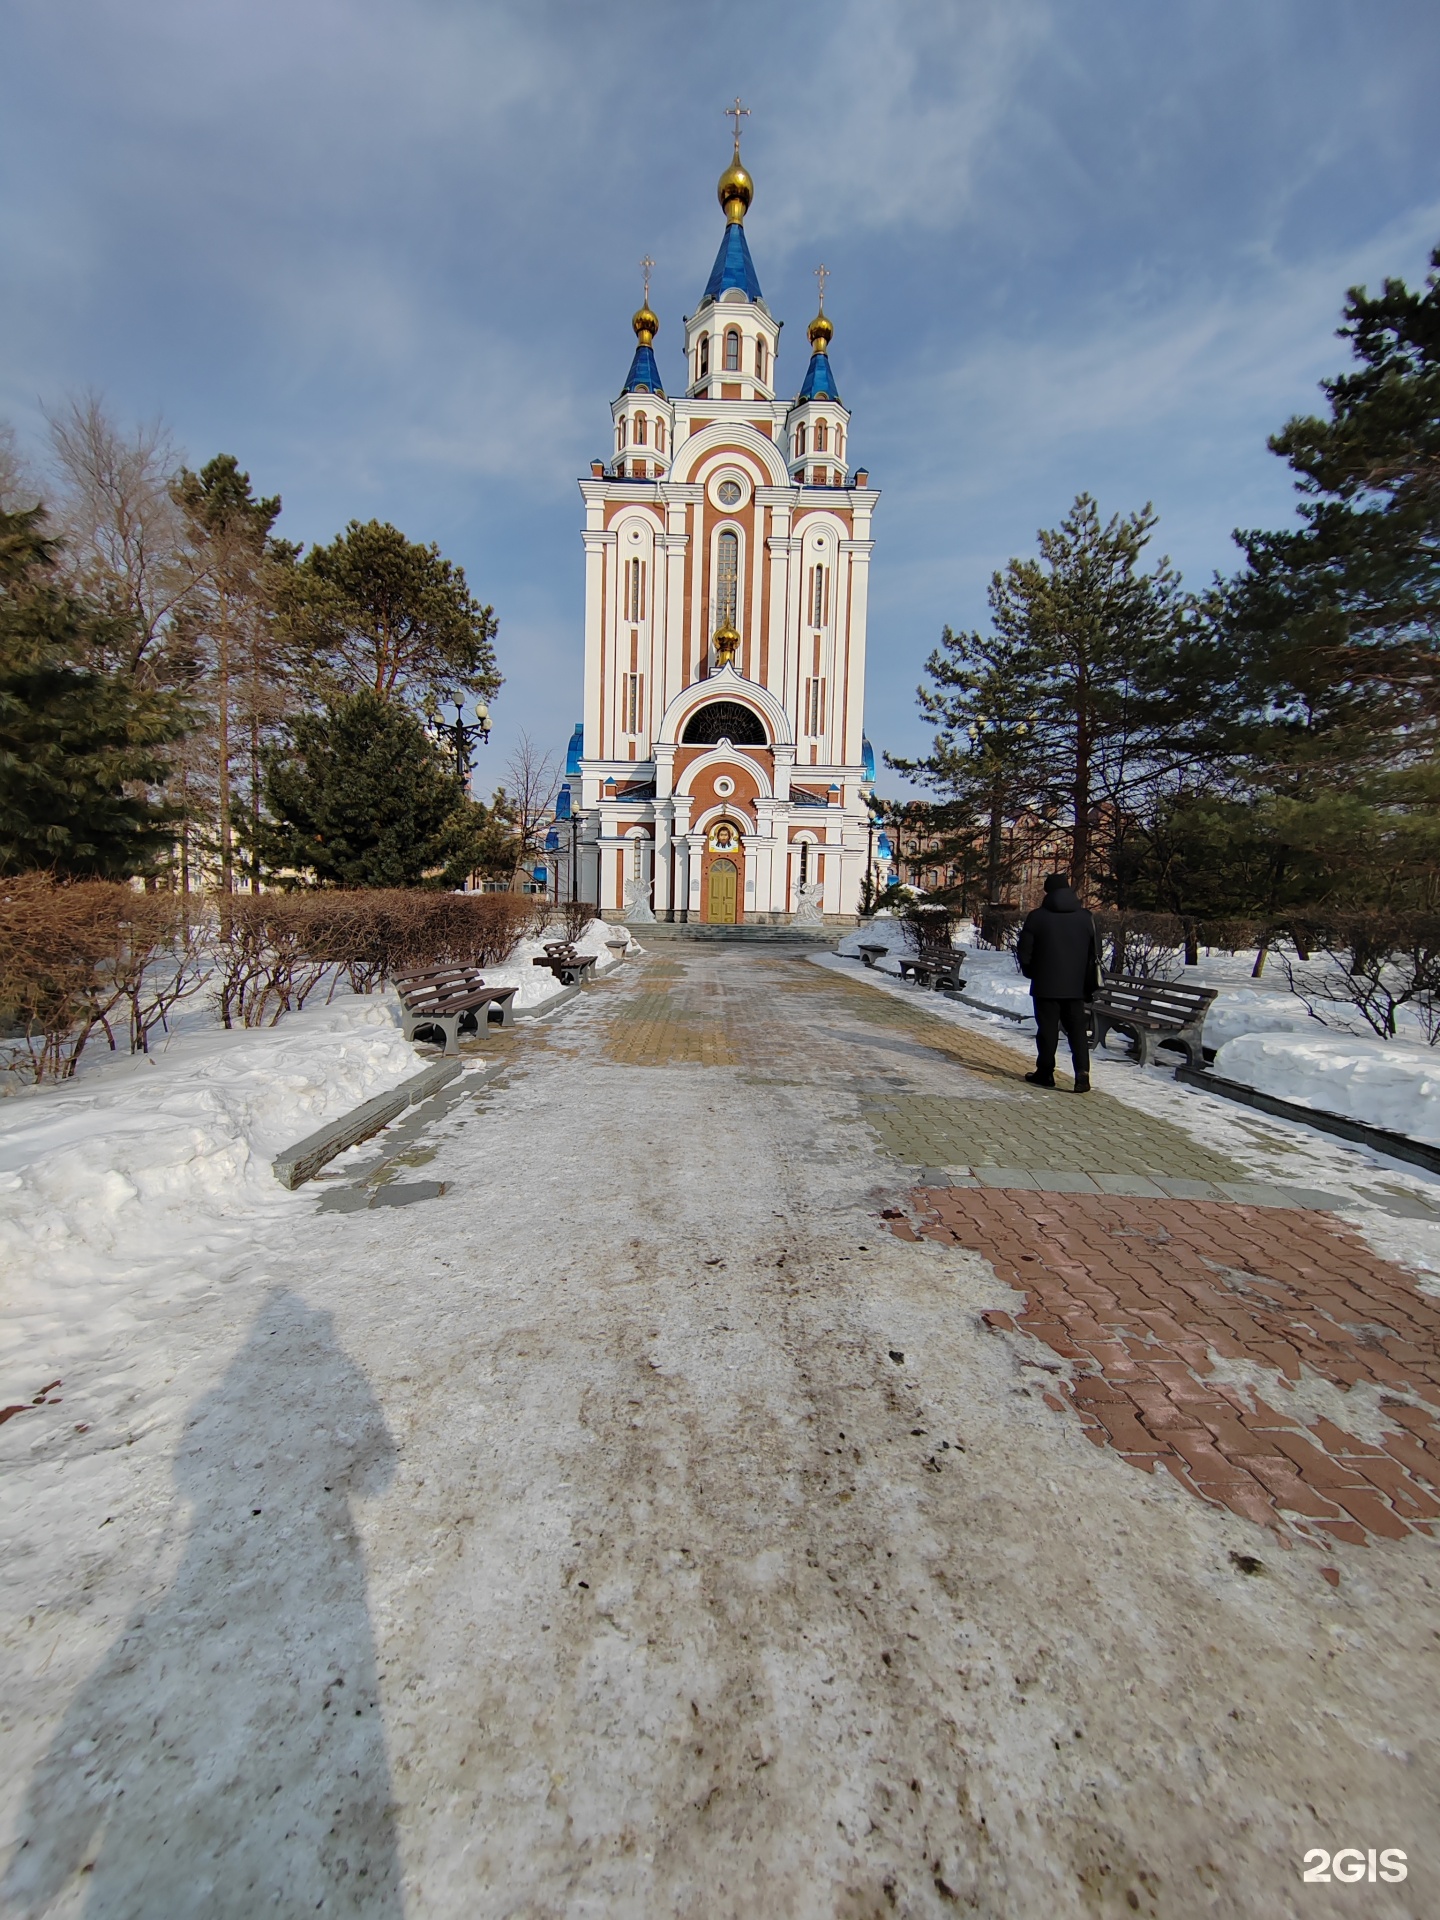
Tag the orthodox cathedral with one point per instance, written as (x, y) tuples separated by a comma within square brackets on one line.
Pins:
[(720, 771)]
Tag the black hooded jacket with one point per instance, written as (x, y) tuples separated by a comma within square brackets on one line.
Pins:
[(1058, 949)]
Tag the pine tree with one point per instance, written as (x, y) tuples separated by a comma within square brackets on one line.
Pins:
[(982, 701), (79, 747), (359, 797), (1338, 620), (375, 610)]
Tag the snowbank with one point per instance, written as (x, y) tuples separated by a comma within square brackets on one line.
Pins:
[(535, 984), (135, 1163), (1384, 1085)]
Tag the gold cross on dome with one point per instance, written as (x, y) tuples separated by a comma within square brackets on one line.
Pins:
[(646, 265), (734, 113), (822, 274)]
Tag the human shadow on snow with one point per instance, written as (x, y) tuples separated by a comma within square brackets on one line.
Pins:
[(227, 1757)]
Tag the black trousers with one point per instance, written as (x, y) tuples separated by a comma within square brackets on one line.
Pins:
[(1050, 1016)]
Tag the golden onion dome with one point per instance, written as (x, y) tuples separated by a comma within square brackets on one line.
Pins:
[(821, 332), (736, 190), (645, 324), (726, 642)]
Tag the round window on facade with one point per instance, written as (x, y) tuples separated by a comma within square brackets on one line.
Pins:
[(724, 786), (728, 493)]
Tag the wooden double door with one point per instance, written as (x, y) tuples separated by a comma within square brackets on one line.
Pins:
[(722, 896)]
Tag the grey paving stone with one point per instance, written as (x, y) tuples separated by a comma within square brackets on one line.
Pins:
[(1189, 1189), (1256, 1193), (1129, 1186), (1054, 1182), (1008, 1177)]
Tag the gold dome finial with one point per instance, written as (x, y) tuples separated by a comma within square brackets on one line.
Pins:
[(736, 189), (726, 642), (820, 330), (644, 321)]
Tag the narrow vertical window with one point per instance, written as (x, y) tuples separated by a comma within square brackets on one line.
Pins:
[(799, 441), (641, 434), (819, 596), (815, 708), (762, 359), (804, 862), (660, 436), (704, 356), (727, 578), (634, 701), (620, 432), (822, 435), (839, 443), (732, 351)]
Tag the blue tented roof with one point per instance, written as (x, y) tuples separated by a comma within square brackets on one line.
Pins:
[(733, 266), (575, 749), (644, 374), (819, 380), (867, 760)]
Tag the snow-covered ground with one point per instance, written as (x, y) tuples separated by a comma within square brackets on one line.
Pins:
[(1264, 1036), (1395, 1086), (159, 1163)]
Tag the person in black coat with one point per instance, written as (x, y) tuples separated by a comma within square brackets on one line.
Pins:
[(1060, 957)]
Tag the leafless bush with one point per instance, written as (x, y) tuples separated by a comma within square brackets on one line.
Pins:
[(576, 916), (162, 957), (1229, 936), (1378, 963), (928, 923), (1143, 946), (57, 948), (999, 927)]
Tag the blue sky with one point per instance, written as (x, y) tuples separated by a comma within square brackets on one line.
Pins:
[(385, 251)]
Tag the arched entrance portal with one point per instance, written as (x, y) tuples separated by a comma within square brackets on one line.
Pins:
[(720, 906)]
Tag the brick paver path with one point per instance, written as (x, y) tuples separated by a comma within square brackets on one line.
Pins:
[(1147, 1259)]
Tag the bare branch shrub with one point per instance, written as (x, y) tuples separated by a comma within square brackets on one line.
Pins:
[(58, 955), (1378, 963), (928, 923), (999, 928), (576, 916), (1143, 946)]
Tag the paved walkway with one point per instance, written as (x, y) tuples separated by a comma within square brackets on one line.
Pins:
[(707, 1486)]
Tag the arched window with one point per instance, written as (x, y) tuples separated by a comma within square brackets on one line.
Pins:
[(822, 435), (732, 351), (799, 441), (724, 720), (659, 436), (641, 433), (819, 595), (762, 360), (704, 361), (839, 443), (620, 431), (727, 578)]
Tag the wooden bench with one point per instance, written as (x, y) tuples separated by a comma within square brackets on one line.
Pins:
[(937, 967), (871, 952), (568, 966), (1152, 1012), (445, 999)]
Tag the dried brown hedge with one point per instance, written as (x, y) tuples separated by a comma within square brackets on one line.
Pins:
[(86, 955)]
